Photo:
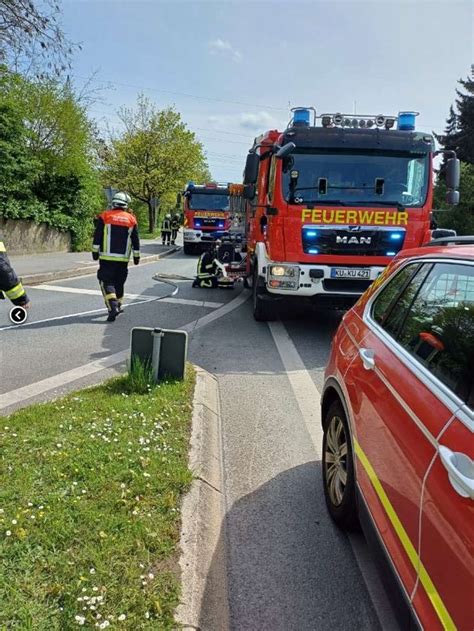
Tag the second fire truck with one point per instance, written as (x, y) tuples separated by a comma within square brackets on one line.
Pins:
[(206, 215)]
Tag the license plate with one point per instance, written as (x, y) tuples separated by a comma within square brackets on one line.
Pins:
[(350, 272)]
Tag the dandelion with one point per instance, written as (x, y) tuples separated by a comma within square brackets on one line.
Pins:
[(147, 614), (150, 575), (14, 521), (92, 570), (80, 620), (121, 617), (8, 533), (122, 486), (104, 624)]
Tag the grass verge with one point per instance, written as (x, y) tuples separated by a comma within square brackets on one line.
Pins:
[(90, 490)]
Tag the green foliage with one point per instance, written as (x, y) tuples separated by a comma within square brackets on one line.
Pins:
[(154, 157), (47, 142), (140, 376), (459, 136)]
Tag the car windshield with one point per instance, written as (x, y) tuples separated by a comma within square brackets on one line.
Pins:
[(201, 201), (356, 178)]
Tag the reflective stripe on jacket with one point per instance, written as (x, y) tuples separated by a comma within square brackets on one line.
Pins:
[(10, 284)]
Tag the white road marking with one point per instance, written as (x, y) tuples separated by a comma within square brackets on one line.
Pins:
[(97, 292), (306, 393), (308, 399), (51, 383)]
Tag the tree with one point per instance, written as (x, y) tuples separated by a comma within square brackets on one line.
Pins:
[(54, 134), (154, 156), (31, 37), (459, 132)]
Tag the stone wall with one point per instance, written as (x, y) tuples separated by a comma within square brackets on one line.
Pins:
[(26, 237)]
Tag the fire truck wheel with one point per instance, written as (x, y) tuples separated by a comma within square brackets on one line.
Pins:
[(338, 469), (188, 248), (262, 307)]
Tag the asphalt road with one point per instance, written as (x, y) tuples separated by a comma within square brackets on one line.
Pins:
[(289, 568)]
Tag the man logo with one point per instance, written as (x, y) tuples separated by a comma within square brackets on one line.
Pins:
[(353, 240)]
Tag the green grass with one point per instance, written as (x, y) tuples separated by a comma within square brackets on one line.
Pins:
[(90, 490)]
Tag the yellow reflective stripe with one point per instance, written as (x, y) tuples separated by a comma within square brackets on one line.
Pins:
[(111, 296), (15, 292), (409, 548), (122, 259), (104, 239), (95, 248), (2, 247)]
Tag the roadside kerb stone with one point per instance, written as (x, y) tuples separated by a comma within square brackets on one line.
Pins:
[(204, 596), (84, 270)]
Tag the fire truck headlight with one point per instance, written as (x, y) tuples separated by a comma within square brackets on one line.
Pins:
[(278, 270)]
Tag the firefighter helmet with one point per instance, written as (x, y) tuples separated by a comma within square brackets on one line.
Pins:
[(121, 200)]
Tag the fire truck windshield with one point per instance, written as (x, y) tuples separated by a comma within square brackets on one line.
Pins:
[(356, 178), (203, 201)]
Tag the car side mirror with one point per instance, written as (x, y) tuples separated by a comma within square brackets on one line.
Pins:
[(251, 168)]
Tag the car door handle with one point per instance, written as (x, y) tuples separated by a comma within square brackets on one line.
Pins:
[(368, 358), (460, 470)]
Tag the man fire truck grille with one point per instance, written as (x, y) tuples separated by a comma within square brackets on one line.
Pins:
[(352, 240)]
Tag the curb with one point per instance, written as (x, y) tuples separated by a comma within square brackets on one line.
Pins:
[(204, 595), (89, 268)]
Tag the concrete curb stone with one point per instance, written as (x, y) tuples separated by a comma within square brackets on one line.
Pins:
[(204, 596), (46, 277)]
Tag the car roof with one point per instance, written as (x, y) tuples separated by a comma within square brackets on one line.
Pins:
[(463, 252)]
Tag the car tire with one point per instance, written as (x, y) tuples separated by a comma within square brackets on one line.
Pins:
[(188, 248), (338, 469), (263, 308)]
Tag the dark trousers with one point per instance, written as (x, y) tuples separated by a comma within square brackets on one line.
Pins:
[(112, 276), (174, 234), (166, 236)]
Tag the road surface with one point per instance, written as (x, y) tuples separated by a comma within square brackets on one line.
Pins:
[(288, 566)]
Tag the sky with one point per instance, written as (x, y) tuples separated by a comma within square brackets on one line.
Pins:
[(234, 69)]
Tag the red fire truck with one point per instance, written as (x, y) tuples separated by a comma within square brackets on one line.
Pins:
[(330, 204), (206, 214)]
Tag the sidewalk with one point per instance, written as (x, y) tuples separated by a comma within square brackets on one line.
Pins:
[(40, 268)]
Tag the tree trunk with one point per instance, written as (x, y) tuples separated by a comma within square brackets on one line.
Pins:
[(151, 218)]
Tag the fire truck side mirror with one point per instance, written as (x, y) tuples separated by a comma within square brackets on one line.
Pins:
[(249, 191), (285, 150), (251, 168), (452, 197), (453, 173)]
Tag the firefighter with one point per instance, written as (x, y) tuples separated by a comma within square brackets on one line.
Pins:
[(10, 285), (207, 268), (175, 223), (166, 230), (115, 235)]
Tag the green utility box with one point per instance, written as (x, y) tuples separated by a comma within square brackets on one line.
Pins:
[(165, 349)]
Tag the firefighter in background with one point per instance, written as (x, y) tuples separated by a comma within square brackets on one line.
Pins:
[(175, 224), (166, 230), (115, 235), (207, 269), (10, 285)]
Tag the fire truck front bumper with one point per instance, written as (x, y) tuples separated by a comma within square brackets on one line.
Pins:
[(200, 237), (319, 281)]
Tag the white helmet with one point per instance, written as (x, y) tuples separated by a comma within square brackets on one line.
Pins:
[(121, 200), (168, 216)]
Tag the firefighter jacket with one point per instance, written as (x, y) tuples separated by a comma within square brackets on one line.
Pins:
[(115, 235), (206, 266), (166, 225), (174, 224), (10, 285)]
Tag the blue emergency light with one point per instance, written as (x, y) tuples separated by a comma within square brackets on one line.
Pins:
[(313, 251), (406, 121), (301, 117), (396, 236)]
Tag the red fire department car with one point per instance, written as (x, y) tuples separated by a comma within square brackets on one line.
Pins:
[(398, 419)]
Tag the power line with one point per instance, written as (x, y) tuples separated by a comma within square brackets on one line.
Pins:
[(189, 95)]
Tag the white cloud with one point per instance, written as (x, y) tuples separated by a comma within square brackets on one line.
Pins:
[(258, 121), (221, 46)]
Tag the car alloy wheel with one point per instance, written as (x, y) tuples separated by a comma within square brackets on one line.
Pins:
[(335, 460)]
